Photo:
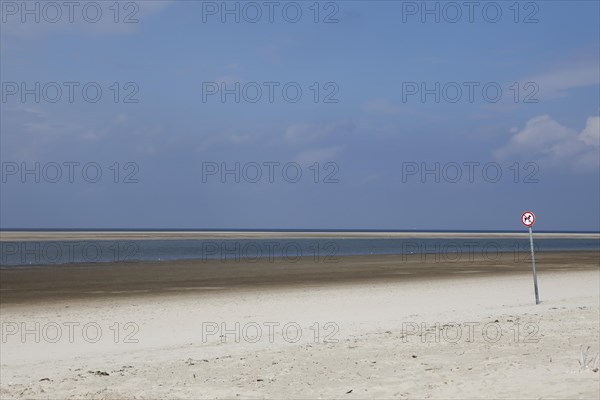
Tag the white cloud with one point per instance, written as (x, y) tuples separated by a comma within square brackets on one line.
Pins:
[(45, 18), (591, 133), (233, 66), (307, 133), (237, 139), (557, 83), (271, 53), (372, 177), (321, 155), (229, 81), (227, 138), (35, 132), (121, 119), (546, 141), (146, 149), (380, 107)]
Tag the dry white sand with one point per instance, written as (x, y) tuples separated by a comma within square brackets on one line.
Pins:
[(374, 346)]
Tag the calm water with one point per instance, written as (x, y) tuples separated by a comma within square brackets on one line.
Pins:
[(15, 253)]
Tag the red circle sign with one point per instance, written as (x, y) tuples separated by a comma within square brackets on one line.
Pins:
[(528, 218)]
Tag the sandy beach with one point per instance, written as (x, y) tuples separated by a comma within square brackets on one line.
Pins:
[(365, 327)]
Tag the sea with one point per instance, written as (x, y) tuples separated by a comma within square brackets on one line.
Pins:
[(64, 252)]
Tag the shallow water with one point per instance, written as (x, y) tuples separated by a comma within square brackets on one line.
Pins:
[(26, 253)]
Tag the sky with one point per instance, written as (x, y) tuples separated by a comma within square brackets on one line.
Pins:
[(300, 115)]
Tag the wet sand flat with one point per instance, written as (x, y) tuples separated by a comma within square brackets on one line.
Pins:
[(90, 281)]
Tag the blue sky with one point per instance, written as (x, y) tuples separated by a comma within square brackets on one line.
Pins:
[(367, 141)]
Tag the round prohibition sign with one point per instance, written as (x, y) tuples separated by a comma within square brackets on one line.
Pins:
[(528, 219)]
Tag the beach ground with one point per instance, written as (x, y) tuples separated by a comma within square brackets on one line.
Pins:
[(366, 327)]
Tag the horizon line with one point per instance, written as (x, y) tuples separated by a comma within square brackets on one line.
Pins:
[(325, 230)]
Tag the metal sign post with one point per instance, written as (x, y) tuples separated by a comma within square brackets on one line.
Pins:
[(528, 219)]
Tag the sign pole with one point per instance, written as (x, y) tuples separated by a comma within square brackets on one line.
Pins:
[(535, 285), (528, 219)]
